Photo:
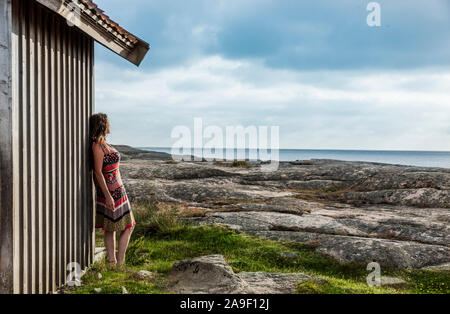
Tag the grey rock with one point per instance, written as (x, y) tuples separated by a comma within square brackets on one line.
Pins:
[(206, 274), (351, 239), (392, 282), (146, 170), (422, 197), (316, 184), (99, 254), (211, 274), (355, 211), (273, 283), (350, 249), (442, 267), (145, 275), (370, 225), (99, 250)]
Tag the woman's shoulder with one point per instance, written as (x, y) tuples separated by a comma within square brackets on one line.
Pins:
[(95, 143), (97, 146)]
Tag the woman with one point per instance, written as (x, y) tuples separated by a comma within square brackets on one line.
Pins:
[(113, 210)]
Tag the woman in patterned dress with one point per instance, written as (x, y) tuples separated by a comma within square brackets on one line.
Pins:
[(113, 209)]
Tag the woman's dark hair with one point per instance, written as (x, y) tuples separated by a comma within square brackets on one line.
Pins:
[(98, 125)]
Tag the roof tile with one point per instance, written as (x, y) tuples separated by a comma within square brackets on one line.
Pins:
[(112, 26)]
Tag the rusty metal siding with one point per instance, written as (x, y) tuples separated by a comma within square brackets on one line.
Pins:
[(53, 205)]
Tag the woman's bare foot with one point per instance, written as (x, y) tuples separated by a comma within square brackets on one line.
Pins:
[(124, 240), (110, 244)]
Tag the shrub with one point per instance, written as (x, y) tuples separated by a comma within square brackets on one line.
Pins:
[(150, 219), (136, 253)]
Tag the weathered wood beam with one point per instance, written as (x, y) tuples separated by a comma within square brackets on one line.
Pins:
[(89, 25)]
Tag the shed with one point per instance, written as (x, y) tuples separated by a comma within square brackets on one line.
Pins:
[(46, 98)]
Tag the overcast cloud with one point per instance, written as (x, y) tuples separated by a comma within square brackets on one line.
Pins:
[(313, 68)]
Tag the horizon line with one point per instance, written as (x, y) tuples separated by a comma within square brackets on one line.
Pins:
[(317, 149)]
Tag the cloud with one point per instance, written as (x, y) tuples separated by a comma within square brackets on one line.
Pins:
[(314, 68), (315, 109), (301, 35)]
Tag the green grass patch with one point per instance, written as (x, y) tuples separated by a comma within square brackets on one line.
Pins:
[(430, 282), (160, 239)]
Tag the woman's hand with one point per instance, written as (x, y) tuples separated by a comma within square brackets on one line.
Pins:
[(98, 164), (110, 203)]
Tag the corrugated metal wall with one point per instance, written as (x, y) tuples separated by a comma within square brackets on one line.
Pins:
[(53, 207), (6, 267)]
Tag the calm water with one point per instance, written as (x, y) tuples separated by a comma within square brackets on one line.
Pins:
[(411, 158)]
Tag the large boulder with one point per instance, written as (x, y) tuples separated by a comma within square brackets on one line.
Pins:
[(397, 238), (211, 274), (350, 249), (207, 274)]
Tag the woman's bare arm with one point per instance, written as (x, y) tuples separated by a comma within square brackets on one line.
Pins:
[(98, 166)]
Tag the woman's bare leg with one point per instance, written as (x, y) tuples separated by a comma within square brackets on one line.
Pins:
[(110, 244), (124, 239)]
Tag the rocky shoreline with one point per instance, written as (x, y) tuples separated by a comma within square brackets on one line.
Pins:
[(355, 212)]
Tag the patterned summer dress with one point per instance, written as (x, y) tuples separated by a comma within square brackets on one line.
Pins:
[(122, 218)]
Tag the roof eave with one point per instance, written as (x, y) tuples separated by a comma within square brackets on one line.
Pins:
[(89, 26)]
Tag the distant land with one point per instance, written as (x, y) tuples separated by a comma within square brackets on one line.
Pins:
[(409, 158)]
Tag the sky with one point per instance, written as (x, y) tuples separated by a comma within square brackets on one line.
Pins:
[(315, 69)]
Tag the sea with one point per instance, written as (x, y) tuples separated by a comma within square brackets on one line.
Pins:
[(439, 159)]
